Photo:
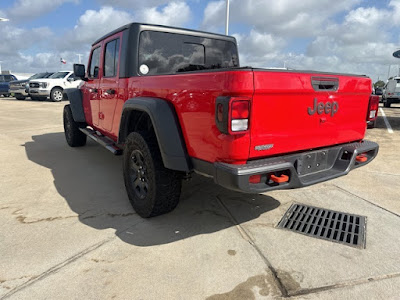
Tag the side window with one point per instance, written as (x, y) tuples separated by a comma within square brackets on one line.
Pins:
[(8, 78), (94, 63), (111, 56)]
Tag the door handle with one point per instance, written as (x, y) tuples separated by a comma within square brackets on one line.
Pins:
[(93, 90), (110, 91)]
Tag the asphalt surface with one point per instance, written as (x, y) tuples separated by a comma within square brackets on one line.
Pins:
[(67, 230)]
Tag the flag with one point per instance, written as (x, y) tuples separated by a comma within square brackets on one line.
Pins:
[(63, 61)]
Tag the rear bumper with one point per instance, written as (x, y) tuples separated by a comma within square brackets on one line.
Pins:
[(301, 168)]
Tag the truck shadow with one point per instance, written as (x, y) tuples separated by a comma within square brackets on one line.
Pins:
[(90, 180)]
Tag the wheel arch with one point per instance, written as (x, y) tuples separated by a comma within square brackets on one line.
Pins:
[(166, 128), (55, 87)]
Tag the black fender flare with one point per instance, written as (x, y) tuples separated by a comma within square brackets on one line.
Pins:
[(74, 96), (166, 127)]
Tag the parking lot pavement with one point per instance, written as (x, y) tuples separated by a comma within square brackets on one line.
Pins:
[(67, 229)]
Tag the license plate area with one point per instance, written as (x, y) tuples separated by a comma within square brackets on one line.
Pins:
[(312, 162)]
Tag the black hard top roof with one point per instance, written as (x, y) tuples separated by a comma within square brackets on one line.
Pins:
[(143, 26)]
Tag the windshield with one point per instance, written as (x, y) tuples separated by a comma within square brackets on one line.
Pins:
[(36, 76), (59, 75)]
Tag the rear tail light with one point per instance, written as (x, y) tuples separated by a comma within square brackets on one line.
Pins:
[(373, 108), (232, 114)]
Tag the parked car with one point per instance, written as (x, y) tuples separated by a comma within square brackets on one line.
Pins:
[(5, 84), (392, 92), (53, 86), (20, 88), (185, 105), (378, 91)]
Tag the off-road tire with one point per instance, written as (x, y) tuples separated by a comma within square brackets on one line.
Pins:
[(20, 97), (74, 137), (56, 95), (387, 103), (163, 185)]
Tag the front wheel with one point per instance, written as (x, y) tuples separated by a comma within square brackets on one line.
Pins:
[(387, 103), (56, 95), (152, 189), (74, 137), (20, 97)]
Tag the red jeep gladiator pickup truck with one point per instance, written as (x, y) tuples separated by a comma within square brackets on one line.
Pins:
[(174, 101)]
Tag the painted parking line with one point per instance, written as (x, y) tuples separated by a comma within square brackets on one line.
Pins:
[(389, 128)]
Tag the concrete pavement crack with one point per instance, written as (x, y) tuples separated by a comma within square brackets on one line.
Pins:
[(57, 267), (250, 240), (66, 262), (359, 197), (382, 173), (349, 283)]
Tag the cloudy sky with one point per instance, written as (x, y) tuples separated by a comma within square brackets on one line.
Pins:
[(355, 36)]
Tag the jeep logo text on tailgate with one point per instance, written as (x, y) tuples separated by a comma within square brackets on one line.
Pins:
[(320, 108)]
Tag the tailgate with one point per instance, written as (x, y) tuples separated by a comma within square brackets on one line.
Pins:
[(293, 111)]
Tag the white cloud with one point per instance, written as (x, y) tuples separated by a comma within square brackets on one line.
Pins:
[(133, 4), (29, 9), (93, 25), (285, 17), (257, 47), (363, 42), (174, 14), (13, 38)]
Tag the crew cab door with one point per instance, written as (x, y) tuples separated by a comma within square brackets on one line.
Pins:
[(109, 81), (92, 86)]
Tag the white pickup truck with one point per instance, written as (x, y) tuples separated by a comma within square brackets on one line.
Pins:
[(391, 92), (53, 86)]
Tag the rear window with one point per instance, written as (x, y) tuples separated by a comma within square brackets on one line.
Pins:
[(168, 53)]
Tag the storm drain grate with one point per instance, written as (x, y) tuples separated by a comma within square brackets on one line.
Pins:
[(325, 224)]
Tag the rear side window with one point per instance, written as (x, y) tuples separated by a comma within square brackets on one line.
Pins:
[(168, 53), (111, 55), (8, 78), (94, 63)]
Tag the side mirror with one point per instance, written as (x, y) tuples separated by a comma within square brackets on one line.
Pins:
[(71, 79), (79, 71)]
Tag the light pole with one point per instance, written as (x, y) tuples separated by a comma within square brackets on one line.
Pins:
[(79, 57), (0, 66), (227, 18)]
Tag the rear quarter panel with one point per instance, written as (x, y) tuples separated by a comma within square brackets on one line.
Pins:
[(193, 96)]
